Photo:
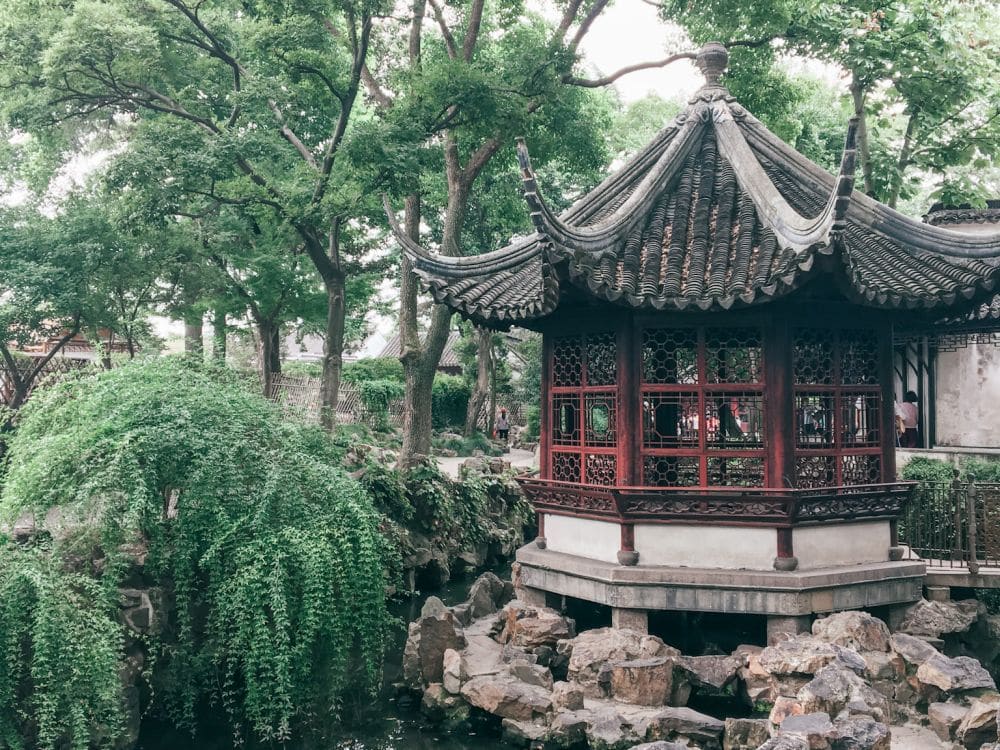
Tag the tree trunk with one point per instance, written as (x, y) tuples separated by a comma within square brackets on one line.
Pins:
[(270, 358), (193, 333), (484, 367), (219, 343), (864, 151), (903, 162), (333, 350)]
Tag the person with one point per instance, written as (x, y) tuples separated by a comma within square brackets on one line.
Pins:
[(503, 425), (908, 411)]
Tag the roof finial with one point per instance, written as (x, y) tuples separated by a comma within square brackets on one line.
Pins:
[(712, 60)]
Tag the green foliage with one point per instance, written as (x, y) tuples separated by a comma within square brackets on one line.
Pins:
[(373, 368), (450, 400), (532, 422), (302, 369), (467, 446), (376, 397), (59, 652), (385, 487), (980, 470), (274, 556), (930, 470)]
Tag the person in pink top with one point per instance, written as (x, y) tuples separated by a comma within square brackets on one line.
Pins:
[(908, 411)]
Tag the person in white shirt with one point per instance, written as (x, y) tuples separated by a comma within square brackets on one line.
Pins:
[(908, 411)]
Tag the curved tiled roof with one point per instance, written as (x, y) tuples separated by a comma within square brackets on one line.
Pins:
[(716, 212)]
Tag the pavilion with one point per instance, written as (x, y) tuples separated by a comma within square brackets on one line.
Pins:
[(717, 388)]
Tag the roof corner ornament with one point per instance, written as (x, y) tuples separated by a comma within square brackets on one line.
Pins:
[(712, 60), (845, 182), (530, 184)]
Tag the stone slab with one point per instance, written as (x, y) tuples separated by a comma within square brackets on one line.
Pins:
[(710, 590)]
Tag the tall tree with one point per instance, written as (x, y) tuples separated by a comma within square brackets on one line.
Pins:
[(251, 103)]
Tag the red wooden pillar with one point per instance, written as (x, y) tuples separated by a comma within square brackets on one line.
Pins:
[(545, 411), (540, 540), (627, 554), (779, 399), (887, 423), (785, 559)]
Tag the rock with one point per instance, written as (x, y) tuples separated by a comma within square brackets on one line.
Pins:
[(834, 689), (443, 708), (567, 696), (945, 718), (785, 742), (744, 734), (979, 725), (609, 730), (503, 696), (953, 675), (882, 665), (783, 708), (532, 674), (856, 630), (453, 669), (429, 637), (937, 618), (714, 672), (804, 654), (660, 745), (523, 733), (860, 733), (530, 627), (914, 651), (815, 728), (673, 722), (593, 649), (487, 595), (568, 729), (645, 682)]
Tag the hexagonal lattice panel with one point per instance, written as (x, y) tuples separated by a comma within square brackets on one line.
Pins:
[(670, 420), (565, 419), (602, 359), (671, 471), (670, 355), (813, 356), (566, 467), (567, 361), (860, 420), (864, 469), (735, 471), (814, 417), (859, 357), (734, 355), (601, 469), (600, 415), (815, 471), (734, 420)]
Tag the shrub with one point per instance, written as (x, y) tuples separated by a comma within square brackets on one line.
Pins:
[(302, 369), (933, 470), (274, 557), (376, 397), (373, 368), (532, 422), (980, 470), (449, 401)]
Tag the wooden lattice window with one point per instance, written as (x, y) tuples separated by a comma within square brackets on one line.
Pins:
[(838, 407), (583, 403), (702, 407)]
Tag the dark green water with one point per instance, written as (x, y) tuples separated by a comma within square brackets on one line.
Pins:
[(390, 723)]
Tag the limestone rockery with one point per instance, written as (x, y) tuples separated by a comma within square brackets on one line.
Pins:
[(845, 686)]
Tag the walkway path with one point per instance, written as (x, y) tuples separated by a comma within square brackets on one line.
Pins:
[(519, 459)]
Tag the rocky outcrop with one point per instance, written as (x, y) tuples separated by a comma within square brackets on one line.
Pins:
[(954, 675), (854, 630), (529, 627), (429, 637), (591, 653)]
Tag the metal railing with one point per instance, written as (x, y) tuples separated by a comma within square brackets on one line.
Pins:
[(954, 524)]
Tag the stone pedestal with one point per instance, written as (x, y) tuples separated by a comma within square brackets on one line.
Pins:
[(778, 626), (530, 596), (630, 619), (938, 593)]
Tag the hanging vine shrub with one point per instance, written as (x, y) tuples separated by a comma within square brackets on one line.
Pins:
[(377, 396), (272, 554)]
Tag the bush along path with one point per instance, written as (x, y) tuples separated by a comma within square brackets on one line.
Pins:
[(849, 685)]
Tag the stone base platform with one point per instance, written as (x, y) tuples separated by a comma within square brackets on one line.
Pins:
[(792, 596)]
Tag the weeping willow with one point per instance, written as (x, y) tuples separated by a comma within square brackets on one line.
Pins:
[(271, 554)]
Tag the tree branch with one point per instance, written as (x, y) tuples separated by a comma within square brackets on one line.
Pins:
[(609, 79), (595, 10), (472, 33), (449, 40)]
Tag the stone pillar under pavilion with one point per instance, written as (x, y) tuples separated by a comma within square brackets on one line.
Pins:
[(717, 427)]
